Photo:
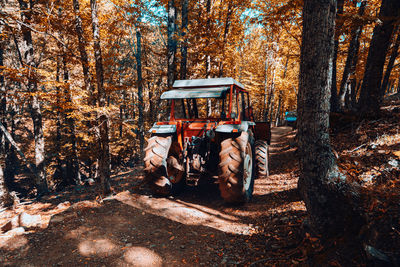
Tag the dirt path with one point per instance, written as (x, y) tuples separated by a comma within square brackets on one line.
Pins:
[(134, 229)]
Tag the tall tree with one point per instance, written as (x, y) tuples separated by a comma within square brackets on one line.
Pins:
[(140, 90), (270, 104), (334, 95), (208, 56), (265, 106), (320, 181), (352, 59), (36, 114), (370, 96), (72, 175), (392, 59), (172, 42), (103, 120), (184, 45), (3, 93)]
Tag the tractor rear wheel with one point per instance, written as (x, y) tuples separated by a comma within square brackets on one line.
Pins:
[(261, 148), (236, 169)]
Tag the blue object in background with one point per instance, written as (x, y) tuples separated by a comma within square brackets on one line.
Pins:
[(291, 116)]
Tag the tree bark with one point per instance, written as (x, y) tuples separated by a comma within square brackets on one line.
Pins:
[(352, 59), (3, 95), (36, 114), (278, 112), (320, 183), (184, 45), (89, 87), (208, 57), (334, 96), (58, 173), (10, 164), (140, 92), (393, 56), (265, 110), (103, 159), (5, 197), (172, 42), (270, 104), (4, 193), (370, 96), (73, 174)]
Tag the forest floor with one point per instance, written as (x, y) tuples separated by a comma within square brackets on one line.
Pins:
[(77, 227), (132, 228)]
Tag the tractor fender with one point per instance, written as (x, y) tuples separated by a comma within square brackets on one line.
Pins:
[(229, 128), (163, 129)]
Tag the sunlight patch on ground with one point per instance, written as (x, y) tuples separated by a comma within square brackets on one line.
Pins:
[(13, 242), (189, 214), (140, 256), (275, 183), (295, 206), (100, 247)]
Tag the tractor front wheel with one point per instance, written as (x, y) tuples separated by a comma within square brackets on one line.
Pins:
[(236, 169), (163, 172), (155, 164)]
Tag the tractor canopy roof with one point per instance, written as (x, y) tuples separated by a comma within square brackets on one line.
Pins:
[(201, 88)]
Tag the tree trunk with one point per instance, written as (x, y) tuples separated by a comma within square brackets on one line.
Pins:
[(208, 25), (371, 97), (225, 39), (352, 59), (11, 161), (140, 92), (103, 160), (320, 182), (172, 42), (265, 109), (83, 54), (354, 91), (36, 114), (3, 96), (10, 164), (58, 173), (5, 197), (270, 104), (393, 56), (278, 112), (122, 112), (66, 123), (334, 97), (73, 174), (185, 4), (208, 57)]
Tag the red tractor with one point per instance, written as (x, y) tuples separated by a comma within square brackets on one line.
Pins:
[(210, 132)]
